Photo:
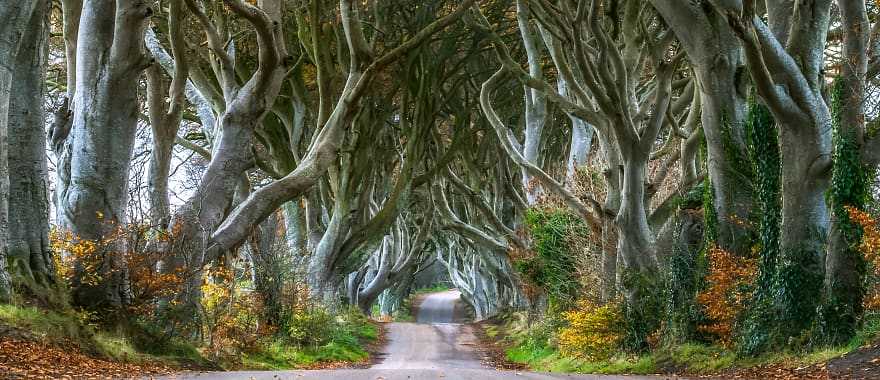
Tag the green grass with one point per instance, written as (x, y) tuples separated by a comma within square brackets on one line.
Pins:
[(346, 343), (46, 324)]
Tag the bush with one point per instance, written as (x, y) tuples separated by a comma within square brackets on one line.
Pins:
[(729, 287), (551, 266), (593, 333), (311, 327)]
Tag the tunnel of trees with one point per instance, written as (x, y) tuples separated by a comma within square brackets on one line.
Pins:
[(707, 167)]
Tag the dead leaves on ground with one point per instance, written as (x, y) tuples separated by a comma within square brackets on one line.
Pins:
[(32, 360)]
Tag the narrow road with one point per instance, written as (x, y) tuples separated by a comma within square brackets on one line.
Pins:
[(432, 348), (433, 342)]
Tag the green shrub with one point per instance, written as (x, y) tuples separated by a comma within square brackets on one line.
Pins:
[(311, 327), (552, 267)]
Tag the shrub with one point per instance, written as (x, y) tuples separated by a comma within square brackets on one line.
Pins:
[(870, 248), (728, 288), (551, 266), (311, 327), (594, 332)]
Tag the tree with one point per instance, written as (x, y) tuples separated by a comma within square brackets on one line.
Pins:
[(17, 16), (30, 256)]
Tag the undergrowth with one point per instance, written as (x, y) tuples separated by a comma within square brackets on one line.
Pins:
[(130, 343), (314, 337), (537, 347)]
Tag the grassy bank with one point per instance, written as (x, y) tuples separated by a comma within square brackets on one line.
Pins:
[(69, 328), (330, 341), (535, 347), (341, 341)]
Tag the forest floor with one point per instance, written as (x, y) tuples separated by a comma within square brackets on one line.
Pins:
[(25, 355)]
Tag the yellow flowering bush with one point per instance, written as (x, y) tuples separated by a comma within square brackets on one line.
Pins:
[(593, 333)]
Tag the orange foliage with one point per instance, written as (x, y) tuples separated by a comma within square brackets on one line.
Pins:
[(727, 291), (133, 248), (870, 248)]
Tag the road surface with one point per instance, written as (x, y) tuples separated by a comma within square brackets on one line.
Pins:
[(432, 348)]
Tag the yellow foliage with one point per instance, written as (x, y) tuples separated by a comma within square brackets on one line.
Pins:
[(232, 315), (593, 331), (75, 252), (727, 291)]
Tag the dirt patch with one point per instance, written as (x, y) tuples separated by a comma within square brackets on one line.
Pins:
[(492, 349)]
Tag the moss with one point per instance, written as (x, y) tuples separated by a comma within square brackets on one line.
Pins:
[(643, 310)]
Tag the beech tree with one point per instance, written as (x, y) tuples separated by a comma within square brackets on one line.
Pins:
[(18, 16), (94, 149), (29, 253), (341, 148)]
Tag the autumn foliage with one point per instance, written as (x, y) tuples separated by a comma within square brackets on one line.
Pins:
[(728, 289), (870, 248), (593, 333)]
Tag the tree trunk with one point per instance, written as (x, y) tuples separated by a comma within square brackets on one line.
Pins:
[(268, 270), (718, 62), (845, 266), (93, 170), (30, 257), (15, 16)]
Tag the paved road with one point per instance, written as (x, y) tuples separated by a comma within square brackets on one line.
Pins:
[(434, 342), (431, 348)]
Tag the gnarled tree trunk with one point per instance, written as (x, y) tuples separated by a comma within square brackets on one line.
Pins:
[(15, 16), (93, 169), (30, 257)]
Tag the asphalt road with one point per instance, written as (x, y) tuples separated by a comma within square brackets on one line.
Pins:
[(431, 348)]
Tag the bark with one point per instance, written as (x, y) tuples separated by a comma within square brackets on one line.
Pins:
[(165, 118), (267, 258), (535, 106), (93, 171), (164, 133), (718, 62), (790, 52), (326, 144), (71, 12), (15, 16), (30, 257), (844, 265), (400, 259), (245, 107)]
